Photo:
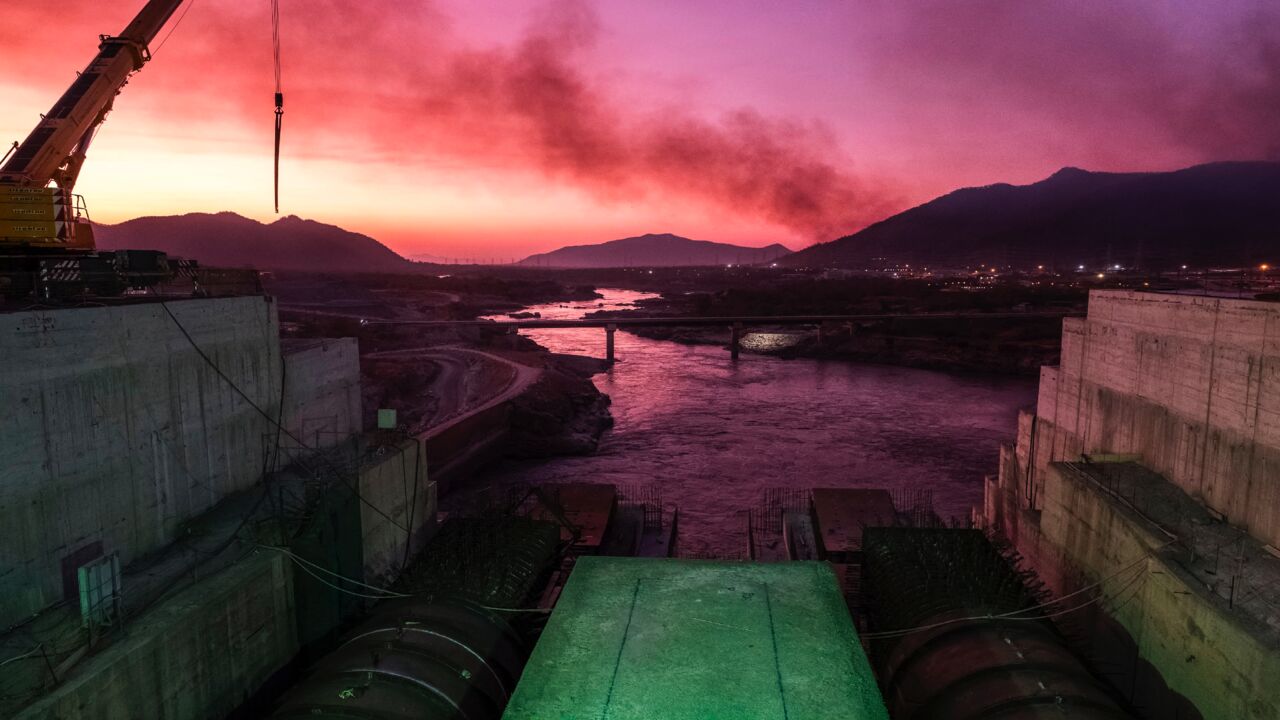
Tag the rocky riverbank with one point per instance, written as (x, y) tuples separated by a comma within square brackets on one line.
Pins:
[(562, 413)]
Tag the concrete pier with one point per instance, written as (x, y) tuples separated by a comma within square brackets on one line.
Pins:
[(736, 341), (609, 330)]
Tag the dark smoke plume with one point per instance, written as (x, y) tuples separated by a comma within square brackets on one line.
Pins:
[(535, 103), (1204, 76)]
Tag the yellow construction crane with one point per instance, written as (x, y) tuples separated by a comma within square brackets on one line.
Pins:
[(37, 206), (46, 240)]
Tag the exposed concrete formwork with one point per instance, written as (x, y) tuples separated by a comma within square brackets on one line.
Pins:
[(1202, 619), (399, 509), (122, 438), (1190, 388), (322, 390), (1190, 384), (199, 654), (115, 431)]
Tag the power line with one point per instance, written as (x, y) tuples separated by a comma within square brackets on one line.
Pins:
[(1013, 615), (304, 563), (307, 566), (181, 17), (267, 416), (23, 656)]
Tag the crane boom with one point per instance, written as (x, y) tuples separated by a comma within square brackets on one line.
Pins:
[(47, 246), (55, 149)]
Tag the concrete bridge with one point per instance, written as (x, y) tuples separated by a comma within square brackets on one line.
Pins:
[(737, 324)]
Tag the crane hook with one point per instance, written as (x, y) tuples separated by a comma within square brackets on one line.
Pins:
[(279, 119), (279, 97)]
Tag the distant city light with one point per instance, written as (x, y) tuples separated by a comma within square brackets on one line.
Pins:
[(1184, 267), (1039, 267), (1100, 276), (1264, 267), (1117, 266), (1079, 267)]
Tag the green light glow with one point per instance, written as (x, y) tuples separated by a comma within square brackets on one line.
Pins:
[(636, 639)]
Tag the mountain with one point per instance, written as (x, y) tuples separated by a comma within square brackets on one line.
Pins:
[(226, 239), (1217, 214), (663, 250)]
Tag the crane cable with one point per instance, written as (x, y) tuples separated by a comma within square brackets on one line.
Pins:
[(275, 47), (173, 28)]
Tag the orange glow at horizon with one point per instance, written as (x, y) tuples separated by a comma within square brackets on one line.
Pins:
[(168, 148), (447, 209)]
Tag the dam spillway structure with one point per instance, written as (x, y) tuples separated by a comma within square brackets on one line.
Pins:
[(958, 634)]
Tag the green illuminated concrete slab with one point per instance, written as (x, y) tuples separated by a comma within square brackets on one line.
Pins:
[(640, 638)]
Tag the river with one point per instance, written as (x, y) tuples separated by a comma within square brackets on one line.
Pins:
[(711, 433)]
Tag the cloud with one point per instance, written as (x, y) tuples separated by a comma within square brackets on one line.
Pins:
[(534, 102), (1204, 76), (389, 78), (535, 105)]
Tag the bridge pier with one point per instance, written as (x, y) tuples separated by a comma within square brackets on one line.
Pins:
[(735, 341), (608, 342)]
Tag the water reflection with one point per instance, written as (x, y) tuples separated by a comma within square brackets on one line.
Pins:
[(767, 341), (712, 433)]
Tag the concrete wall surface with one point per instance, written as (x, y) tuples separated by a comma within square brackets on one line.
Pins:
[(199, 654), (399, 509), (322, 390), (1189, 387), (116, 431), (1192, 384), (1216, 657)]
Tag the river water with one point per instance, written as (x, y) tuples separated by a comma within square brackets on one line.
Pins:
[(712, 434)]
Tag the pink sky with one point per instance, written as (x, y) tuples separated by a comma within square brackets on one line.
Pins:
[(498, 129)]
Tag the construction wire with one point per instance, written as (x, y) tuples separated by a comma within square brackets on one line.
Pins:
[(1013, 615), (277, 508), (307, 566), (305, 562), (266, 415), (1003, 617), (44, 646), (23, 656), (181, 17), (413, 504)]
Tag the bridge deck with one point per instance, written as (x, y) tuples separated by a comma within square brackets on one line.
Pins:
[(623, 322)]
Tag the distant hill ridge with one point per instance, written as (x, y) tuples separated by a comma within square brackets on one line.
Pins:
[(226, 239), (1220, 213), (654, 250)]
